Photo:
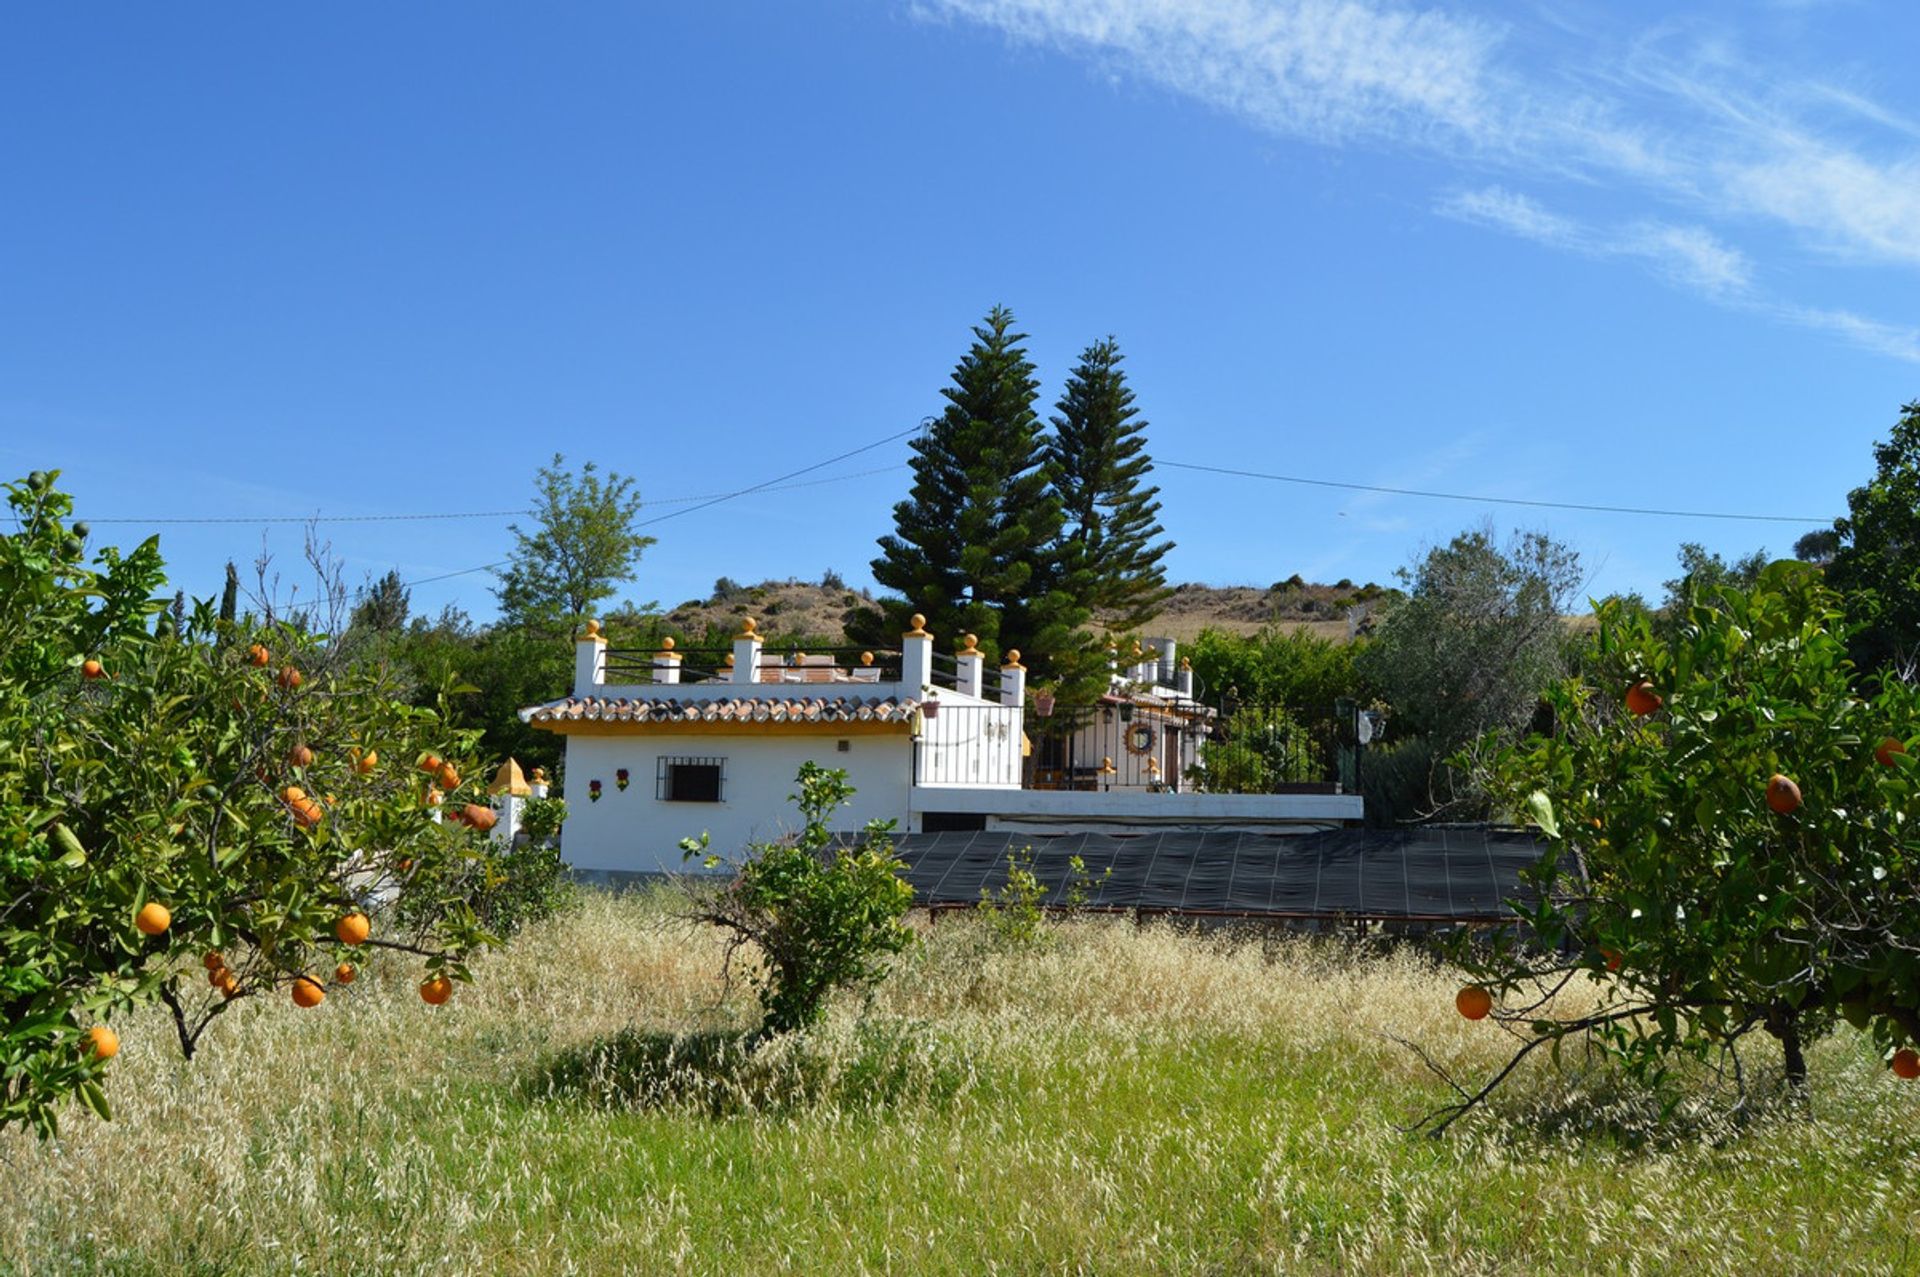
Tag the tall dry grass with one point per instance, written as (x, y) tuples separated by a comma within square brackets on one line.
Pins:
[(1123, 1101)]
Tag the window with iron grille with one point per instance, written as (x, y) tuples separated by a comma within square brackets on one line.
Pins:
[(690, 780)]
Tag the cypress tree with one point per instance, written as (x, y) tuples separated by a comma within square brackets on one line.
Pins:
[(1109, 558), (972, 544)]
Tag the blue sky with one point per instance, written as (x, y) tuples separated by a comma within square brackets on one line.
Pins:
[(368, 259)]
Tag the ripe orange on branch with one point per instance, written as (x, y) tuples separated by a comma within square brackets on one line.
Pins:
[(300, 756), (257, 656), (1642, 700), (307, 992), (100, 1042), (1782, 794), (429, 763), (447, 776), (1888, 748), (289, 678), (91, 669), (344, 973), (153, 918), (353, 929), (436, 991), (363, 764), (1473, 1002), (1906, 1064)]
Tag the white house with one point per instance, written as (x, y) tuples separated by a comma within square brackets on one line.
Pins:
[(659, 749)]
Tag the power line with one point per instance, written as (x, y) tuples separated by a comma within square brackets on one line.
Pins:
[(504, 514), (1525, 501), (777, 484), (818, 465)]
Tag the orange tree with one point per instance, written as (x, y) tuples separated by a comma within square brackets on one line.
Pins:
[(1732, 818), (196, 813)]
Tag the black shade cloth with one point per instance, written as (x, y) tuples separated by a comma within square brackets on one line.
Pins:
[(1461, 873)]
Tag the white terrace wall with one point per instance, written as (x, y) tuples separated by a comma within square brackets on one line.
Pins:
[(635, 831)]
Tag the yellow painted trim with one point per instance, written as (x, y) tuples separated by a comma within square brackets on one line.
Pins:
[(600, 727)]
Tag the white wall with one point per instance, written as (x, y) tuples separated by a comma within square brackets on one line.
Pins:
[(971, 745), (635, 832)]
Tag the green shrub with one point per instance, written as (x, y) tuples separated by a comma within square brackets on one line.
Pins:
[(541, 818), (822, 917), (1013, 913)]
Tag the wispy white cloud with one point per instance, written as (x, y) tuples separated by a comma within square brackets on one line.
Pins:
[(1325, 69), (1688, 257), (1674, 116)]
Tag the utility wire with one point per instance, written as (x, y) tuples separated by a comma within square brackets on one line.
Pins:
[(1461, 496), (500, 514), (775, 484)]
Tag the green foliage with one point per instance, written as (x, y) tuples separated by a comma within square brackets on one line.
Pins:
[(822, 917), (524, 883), (584, 545), (1013, 913), (1877, 565), (166, 780), (973, 545), (382, 606), (1254, 750), (1476, 641), (1701, 571), (1098, 465), (1280, 665), (1722, 914), (541, 818)]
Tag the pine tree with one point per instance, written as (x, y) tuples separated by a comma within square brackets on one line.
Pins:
[(382, 606), (972, 544), (1098, 461)]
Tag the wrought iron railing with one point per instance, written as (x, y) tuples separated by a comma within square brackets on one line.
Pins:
[(1133, 746), (838, 665)]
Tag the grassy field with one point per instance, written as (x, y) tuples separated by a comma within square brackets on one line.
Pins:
[(1126, 1101)]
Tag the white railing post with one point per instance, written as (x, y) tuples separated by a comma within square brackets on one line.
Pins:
[(970, 667), (746, 653), (916, 659), (589, 661), (1013, 679), (666, 663)]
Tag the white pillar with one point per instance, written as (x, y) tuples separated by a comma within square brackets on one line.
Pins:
[(537, 784), (1168, 666), (507, 823), (589, 661), (916, 658), (666, 663), (970, 664), (746, 653), (1013, 679)]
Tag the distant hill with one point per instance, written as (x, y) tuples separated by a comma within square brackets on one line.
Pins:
[(815, 611)]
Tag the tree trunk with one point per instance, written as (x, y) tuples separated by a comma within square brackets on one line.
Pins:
[(1784, 1024)]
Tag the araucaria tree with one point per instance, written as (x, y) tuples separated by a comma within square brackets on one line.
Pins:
[(1110, 554), (585, 544), (1732, 816), (1877, 565), (973, 546)]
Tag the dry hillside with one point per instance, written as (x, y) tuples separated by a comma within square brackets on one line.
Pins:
[(815, 611)]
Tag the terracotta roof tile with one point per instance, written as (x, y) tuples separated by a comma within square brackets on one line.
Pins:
[(731, 709)]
